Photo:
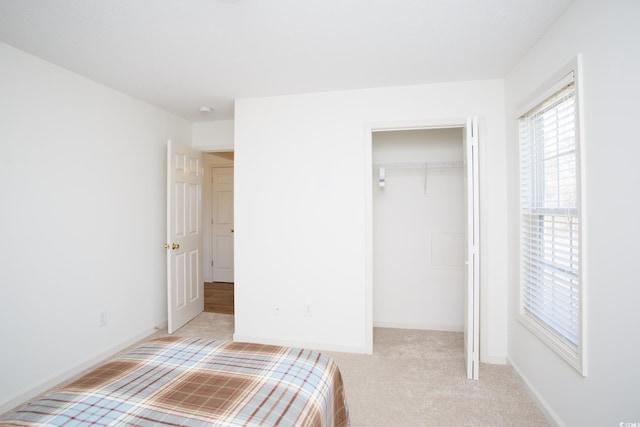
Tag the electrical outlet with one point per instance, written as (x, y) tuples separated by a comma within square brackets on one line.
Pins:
[(307, 310), (103, 318)]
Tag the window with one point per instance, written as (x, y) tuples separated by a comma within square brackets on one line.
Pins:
[(550, 220)]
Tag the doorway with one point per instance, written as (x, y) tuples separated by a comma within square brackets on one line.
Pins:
[(447, 242), (418, 229), (218, 221)]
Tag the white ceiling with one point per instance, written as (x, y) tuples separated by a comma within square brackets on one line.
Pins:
[(181, 54)]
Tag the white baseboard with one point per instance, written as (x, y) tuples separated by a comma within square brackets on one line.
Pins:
[(162, 325), (548, 412), (301, 344), (493, 360), (438, 327), (25, 395)]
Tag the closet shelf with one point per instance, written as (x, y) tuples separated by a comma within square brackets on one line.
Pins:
[(414, 165), (419, 165)]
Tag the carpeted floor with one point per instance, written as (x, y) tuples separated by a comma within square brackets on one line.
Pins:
[(413, 378)]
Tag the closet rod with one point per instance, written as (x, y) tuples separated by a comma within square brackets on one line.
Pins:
[(414, 165)]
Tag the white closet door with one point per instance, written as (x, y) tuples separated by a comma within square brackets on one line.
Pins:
[(472, 300)]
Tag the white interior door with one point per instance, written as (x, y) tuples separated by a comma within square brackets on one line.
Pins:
[(185, 288), (472, 300), (222, 224)]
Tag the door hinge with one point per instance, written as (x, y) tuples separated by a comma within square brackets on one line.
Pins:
[(211, 263)]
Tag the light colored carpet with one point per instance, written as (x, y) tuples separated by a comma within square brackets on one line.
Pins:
[(413, 378)]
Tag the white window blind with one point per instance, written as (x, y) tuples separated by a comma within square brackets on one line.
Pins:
[(550, 221)]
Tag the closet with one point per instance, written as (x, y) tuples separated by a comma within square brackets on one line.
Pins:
[(419, 237)]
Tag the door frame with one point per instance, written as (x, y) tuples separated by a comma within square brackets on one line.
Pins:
[(370, 128)]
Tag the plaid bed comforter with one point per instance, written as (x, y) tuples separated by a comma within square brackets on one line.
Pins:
[(193, 382)]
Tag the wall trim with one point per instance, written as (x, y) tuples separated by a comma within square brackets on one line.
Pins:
[(26, 395), (430, 327), (546, 409), (493, 360), (214, 148), (301, 344)]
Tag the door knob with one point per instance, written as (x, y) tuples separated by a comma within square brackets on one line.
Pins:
[(231, 230), (173, 246)]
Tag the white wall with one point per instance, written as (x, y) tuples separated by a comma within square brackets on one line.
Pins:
[(300, 182), (607, 34), (418, 231), (83, 178), (213, 136)]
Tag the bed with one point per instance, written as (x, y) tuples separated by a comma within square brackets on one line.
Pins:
[(176, 381)]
